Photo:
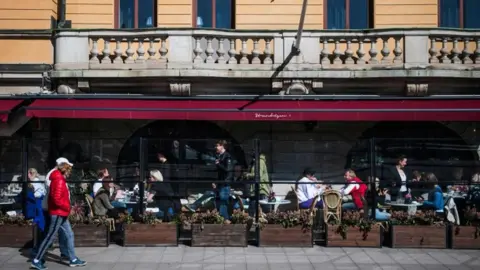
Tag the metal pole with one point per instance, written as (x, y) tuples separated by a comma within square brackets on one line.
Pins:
[(143, 168), (300, 25), (24, 173), (373, 175), (257, 177)]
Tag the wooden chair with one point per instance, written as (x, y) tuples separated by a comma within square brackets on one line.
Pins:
[(295, 198), (332, 205), (110, 221)]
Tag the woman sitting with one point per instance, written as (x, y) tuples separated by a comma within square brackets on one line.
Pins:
[(101, 203), (162, 196), (435, 195), (356, 188), (307, 188)]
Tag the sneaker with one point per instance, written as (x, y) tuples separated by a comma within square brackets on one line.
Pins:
[(77, 263), (38, 265)]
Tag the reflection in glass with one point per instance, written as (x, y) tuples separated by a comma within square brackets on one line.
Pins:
[(126, 14), (223, 10), (358, 14), (204, 14), (449, 13), (145, 13), (336, 14), (471, 9)]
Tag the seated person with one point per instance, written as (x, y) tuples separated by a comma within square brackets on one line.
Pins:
[(435, 195), (356, 188), (307, 188), (383, 196), (101, 203), (101, 174), (473, 194), (162, 196)]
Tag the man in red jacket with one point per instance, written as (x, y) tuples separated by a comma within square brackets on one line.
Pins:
[(59, 210), (356, 188)]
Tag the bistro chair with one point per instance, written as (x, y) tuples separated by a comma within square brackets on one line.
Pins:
[(109, 221), (332, 205)]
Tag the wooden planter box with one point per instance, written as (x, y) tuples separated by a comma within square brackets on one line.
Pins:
[(89, 236), (463, 237), (15, 236), (147, 235), (354, 237), (219, 235), (273, 235), (418, 236)]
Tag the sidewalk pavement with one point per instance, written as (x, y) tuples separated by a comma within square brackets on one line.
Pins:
[(193, 258)]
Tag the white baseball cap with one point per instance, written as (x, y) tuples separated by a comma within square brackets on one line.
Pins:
[(62, 160)]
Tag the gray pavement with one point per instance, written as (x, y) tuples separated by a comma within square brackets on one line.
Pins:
[(183, 257)]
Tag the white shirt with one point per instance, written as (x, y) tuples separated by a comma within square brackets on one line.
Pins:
[(38, 188), (97, 186), (403, 188), (351, 187), (307, 190), (47, 189)]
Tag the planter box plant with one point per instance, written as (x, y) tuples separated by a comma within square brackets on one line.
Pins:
[(354, 231), (468, 236), (209, 229), (150, 231), (286, 229), (422, 230), (15, 232)]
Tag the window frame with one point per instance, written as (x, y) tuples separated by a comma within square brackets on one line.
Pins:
[(214, 13), (116, 15), (370, 11)]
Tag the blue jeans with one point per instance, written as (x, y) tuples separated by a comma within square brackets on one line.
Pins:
[(59, 225), (223, 197), (381, 215), (349, 206), (118, 204), (43, 235), (306, 204)]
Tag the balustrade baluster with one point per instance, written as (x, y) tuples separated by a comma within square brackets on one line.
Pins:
[(444, 52), (198, 51), (151, 49), (232, 53), (267, 52), (221, 51), (373, 51), (466, 54), (385, 51), (349, 53), (255, 52), (94, 51), (130, 52), (325, 54), (106, 51), (360, 52), (118, 51), (337, 53), (209, 51), (455, 52), (163, 50), (433, 51), (476, 54), (397, 51), (244, 51), (140, 52)]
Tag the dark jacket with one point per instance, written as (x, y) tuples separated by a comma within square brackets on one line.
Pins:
[(101, 203), (225, 167), (164, 197), (393, 180)]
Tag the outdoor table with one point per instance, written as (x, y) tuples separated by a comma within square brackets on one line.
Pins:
[(276, 203), (411, 207), (455, 195)]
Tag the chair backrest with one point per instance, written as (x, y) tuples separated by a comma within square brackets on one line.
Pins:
[(89, 200), (314, 203), (332, 199)]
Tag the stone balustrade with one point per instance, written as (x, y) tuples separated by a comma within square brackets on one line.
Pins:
[(165, 49)]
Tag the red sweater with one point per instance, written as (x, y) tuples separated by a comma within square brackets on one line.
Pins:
[(357, 192), (59, 196)]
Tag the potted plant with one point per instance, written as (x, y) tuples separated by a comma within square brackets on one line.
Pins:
[(15, 231), (424, 229), (209, 229), (468, 236), (149, 231), (294, 227), (89, 231), (354, 230)]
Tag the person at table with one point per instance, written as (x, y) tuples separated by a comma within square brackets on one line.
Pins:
[(417, 184), (435, 195), (397, 176), (35, 194), (473, 194), (225, 164), (101, 174), (307, 188), (355, 188), (101, 203), (264, 185), (162, 196)]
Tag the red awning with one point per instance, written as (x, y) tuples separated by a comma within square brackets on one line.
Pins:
[(6, 106), (263, 110)]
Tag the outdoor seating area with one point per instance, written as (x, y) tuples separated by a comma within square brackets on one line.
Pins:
[(215, 198)]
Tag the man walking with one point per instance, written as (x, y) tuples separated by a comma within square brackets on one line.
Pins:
[(59, 210), (225, 165)]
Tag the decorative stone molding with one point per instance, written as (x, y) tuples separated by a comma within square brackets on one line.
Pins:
[(296, 87), (417, 90), (180, 89)]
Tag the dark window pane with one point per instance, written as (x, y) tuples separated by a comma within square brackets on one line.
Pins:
[(146, 13), (336, 14), (223, 10), (358, 14), (204, 13), (449, 13), (471, 13), (126, 14)]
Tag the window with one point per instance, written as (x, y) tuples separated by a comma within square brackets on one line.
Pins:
[(459, 13), (213, 14), (135, 13), (347, 14)]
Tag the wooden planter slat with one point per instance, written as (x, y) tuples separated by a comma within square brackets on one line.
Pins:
[(89, 236), (273, 235), (418, 236), (163, 234), (464, 238), (219, 235), (354, 237), (15, 236)]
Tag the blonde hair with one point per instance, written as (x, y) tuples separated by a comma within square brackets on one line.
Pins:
[(34, 172), (157, 175), (351, 172)]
